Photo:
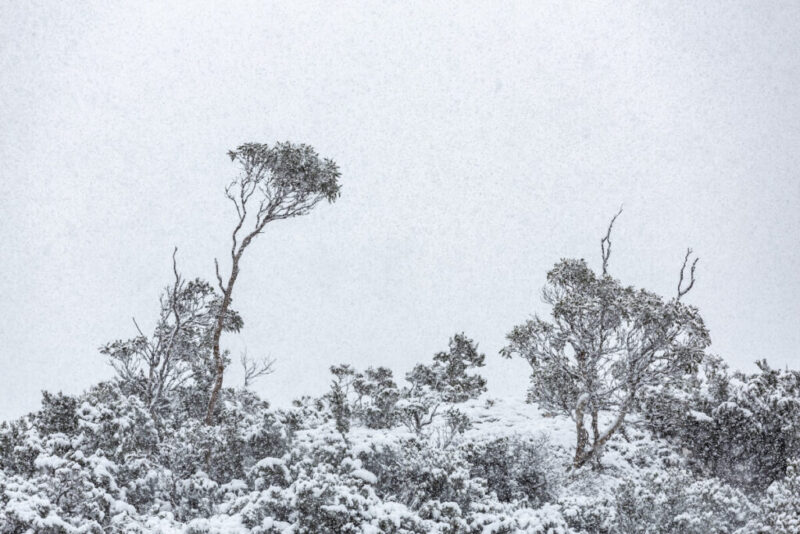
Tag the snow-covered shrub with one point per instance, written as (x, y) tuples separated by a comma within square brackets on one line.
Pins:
[(672, 502), (20, 444), (376, 397), (150, 487), (194, 496), (517, 469), (455, 422), (505, 518), (57, 415), (68, 491), (305, 412), (779, 509), (28, 506), (592, 510), (413, 472), (418, 406), (318, 487), (115, 422), (247, 431), (80, 447), (340, 408), (448, 374), (737, 427)]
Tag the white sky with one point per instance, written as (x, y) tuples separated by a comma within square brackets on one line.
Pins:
[(478, 145)]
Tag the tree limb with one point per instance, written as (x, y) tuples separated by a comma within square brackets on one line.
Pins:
[(605, 243), (681, 289)]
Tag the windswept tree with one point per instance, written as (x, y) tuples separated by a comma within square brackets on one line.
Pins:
[(604, 343), (275, 182)]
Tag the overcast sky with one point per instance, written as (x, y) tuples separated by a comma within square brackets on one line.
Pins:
[(479, 143)]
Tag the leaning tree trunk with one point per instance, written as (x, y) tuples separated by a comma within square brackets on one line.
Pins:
[(582, 455), (219, 363)]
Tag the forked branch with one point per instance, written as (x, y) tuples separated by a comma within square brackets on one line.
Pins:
[(255, 369), (219, 277), (685, 287), (605, 243)]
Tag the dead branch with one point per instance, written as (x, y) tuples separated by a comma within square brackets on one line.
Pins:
[(605, 243), (219, 277), (254, 369), (681, 289)]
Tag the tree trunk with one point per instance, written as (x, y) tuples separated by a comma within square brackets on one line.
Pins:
[(581, 454), (219, 364), (580, 429)]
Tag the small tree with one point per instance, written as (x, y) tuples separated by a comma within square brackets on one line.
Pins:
[(444, 381), (448, 374), (337, 399), (276, 182), (178, 351), (376, 397), (604, 344)]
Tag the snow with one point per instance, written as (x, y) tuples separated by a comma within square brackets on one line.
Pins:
[(700, 416), (325, 477), (45, 461), (219, 524), (365, 475), (513, 416)]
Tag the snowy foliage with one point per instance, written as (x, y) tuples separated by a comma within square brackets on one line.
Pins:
[(742, 428), (98, 463)]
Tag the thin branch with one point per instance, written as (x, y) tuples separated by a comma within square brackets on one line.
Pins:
[(166, 366), (254, 369), (219, 277), (681, 289), (137, 327), (605, 243), (175, 267)]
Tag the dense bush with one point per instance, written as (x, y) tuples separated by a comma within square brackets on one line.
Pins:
[(98, 462), (742, 428), (517, 469), (674, 503), (413, 472), (779, 512)]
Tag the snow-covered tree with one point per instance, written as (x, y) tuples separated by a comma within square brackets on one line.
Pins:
[(605, 342), (376, 397), (179, 350), (448, 374)]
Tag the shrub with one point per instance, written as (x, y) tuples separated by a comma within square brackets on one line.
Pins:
[(517, 469)]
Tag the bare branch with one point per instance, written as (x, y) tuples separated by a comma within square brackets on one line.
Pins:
[(681, 289), (175, 268), (219, 277), (254, 369), (137, 327), (605, 243)]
